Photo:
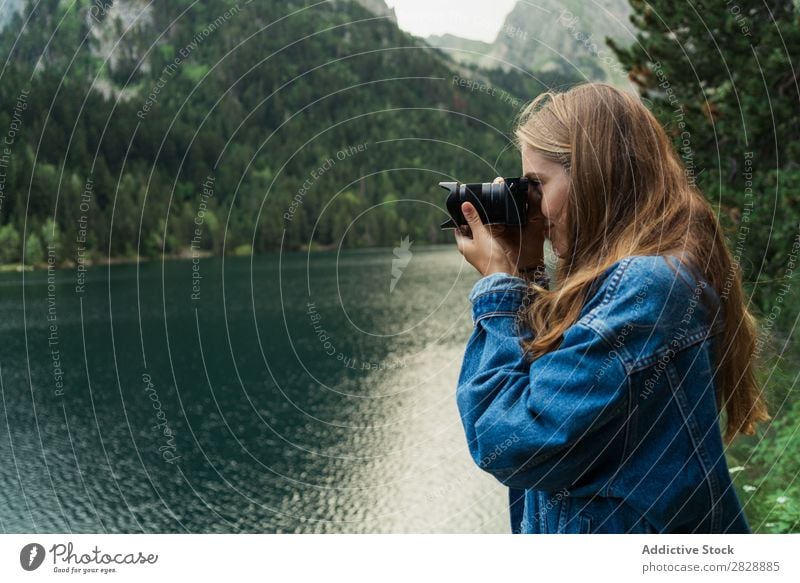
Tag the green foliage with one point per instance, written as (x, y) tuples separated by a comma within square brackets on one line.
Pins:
[(34, 251), (769, 482), (732, 112), (195, 72), (9, 244), (329, 83), (322, 131), (51, 237)]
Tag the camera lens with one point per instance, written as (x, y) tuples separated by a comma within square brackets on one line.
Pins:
[(497, 203)]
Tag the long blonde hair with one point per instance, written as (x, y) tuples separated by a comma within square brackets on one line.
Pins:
[(630, 194)]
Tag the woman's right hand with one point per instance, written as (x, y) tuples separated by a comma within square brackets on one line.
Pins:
[(525, 243)]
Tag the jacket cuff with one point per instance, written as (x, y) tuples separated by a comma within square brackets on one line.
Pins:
[(497, 294)]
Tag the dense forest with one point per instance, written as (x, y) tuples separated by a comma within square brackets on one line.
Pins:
[(222, 127), (726, 89), (225, 127), (723, 82)]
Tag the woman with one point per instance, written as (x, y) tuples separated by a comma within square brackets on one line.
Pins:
[(598, 401)]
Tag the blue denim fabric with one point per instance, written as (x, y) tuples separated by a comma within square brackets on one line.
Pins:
[(617, 430)]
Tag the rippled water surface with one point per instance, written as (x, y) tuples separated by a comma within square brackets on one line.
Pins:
[(292, 393)]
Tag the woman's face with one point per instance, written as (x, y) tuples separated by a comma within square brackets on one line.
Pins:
[(554, 187)]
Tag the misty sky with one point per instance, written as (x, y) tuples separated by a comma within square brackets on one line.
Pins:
[(476, 19)]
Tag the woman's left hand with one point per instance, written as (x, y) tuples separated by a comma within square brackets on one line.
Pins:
[(493, 250)]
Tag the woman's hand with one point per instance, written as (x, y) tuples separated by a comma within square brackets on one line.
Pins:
[(503, 249)]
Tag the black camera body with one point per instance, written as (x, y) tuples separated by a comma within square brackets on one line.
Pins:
[(497, 203)]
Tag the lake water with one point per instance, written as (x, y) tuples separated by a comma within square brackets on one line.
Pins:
[(287, 393)]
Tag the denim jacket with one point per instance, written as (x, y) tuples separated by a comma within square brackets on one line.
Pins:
[(615, 431)]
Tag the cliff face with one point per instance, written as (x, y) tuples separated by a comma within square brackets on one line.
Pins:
[(563, 33), (552, 35), (379, 7), (8, 9), (463, 50), (107, 22), (148, 101)]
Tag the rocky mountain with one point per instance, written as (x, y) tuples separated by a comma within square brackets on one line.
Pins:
[(379, 7), (8, 9), (463, 50), (306, 114), (552, 35)]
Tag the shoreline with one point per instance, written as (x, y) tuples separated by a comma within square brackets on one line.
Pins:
[(181, 256)]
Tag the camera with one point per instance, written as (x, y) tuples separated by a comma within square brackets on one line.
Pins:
[(497, 203)]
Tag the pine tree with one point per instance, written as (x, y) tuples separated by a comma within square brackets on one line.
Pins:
[(721, 80), (726, 72)]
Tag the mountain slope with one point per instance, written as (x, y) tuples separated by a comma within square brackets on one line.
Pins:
[(554, 35), (8, 9), (380, 8), (315, 124), (463, 50)]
